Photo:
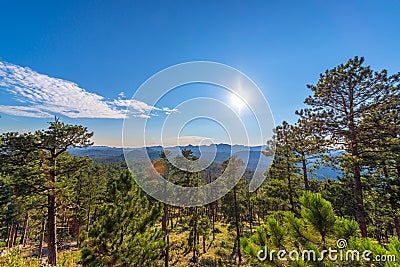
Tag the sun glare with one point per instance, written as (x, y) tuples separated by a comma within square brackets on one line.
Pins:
[(237, 102)]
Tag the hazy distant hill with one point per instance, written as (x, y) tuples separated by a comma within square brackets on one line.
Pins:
[(218, 152)]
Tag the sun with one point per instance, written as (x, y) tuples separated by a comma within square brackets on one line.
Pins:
[(237, 102)]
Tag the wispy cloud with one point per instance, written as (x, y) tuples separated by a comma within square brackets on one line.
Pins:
[(42, 96)]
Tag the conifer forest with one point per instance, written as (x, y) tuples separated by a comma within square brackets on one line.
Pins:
[(62, 209)]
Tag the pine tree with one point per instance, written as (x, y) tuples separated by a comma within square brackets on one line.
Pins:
[(341, 98), (234, 202), (22, 180), (164, 168), (381, 127), (316, 229), (124, 232), (318, 212), (54, 142), (284, 171), (309, 147)]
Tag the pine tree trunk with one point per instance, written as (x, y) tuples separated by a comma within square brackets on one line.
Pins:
[(392, 203), (213, 220), (305, 176), (167, 252), (25, 230), (88, 218), (78, 205), (52, 220), (397, 225), (11, 234), (15, 234), (78, 234), (171, 220), (292, 208), (9, 231), (165, 230), (52, 230), (396, 218), (237, 227), (204, 244), (195, 233), (398, 171), (359, 192), (28, 232), (250, 216), (42, 238)]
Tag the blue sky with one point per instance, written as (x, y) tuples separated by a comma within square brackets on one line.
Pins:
[(99, 49)]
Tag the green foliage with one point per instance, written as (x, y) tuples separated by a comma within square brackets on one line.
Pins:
[(351, 108), (124, 234), (394, 248), (363, 244), (286, 231), (276, 232), (13, 258), (345, 228), (283, 181), (69, 259), (318, 212)]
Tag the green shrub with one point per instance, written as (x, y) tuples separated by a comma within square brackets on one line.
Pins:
[(13, 258), (69, 259)]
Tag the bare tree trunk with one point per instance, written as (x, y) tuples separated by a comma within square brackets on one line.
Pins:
[(42, 238)]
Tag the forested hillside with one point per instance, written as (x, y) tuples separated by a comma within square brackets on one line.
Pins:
[(210, 153), (58, 207)]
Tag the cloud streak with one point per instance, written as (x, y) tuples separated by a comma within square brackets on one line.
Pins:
[(42, 96)]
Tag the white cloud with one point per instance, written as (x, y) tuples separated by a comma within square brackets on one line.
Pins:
[(24, 111), (134, 104), (43, 96)]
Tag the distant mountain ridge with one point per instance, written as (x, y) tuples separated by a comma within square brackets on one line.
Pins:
[(218, 153)]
